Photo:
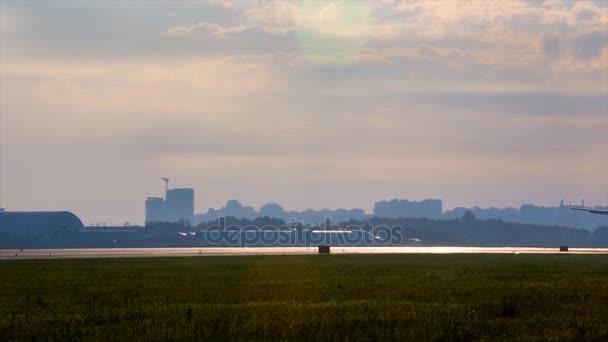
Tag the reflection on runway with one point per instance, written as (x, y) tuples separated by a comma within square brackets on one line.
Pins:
[(17, 254)]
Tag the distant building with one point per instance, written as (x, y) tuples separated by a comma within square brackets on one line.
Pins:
[(504, 214), (38, 225), (235, 209), (155, 209), (561, 215), (177, 205), (395, 208), (273, 210)]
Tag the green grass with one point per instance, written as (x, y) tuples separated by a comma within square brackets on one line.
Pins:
[(339, 297)]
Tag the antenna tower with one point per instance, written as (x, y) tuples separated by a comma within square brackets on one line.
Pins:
[(166, 180)]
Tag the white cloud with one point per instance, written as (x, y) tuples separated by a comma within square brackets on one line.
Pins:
[(98, 96), (218, 31), (224, 3), (279, 13)]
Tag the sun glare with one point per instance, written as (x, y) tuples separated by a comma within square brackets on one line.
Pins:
[(332, 32)]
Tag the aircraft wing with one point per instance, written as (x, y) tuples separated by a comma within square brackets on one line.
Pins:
[(593, 211)]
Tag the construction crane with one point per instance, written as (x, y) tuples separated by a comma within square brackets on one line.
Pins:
[(166, 180)]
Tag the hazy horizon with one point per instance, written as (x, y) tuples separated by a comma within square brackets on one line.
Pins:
[(334, 104)]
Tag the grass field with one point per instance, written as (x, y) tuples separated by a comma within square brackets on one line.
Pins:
[(341, 297)]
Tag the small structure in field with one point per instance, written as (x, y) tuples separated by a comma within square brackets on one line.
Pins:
[(324, 250), (563, 248)]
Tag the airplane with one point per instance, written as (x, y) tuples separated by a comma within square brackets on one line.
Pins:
[(591, 210)]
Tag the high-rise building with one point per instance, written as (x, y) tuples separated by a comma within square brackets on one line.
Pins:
[(155, 209), (177, 205)]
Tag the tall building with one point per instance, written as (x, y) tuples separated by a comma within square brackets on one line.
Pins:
[(155, 209), (177, 205)]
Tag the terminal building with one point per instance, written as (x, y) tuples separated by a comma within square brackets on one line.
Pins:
[(177, 205)]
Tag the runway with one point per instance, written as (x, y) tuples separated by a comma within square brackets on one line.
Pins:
[(28, 254)]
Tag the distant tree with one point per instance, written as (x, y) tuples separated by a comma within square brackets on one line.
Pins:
[(468, 218)]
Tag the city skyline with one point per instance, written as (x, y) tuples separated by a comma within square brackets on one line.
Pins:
[(219, 203), (178, 205), (311, 104)]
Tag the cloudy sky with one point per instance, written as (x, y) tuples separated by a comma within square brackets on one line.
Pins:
[(316, 104)]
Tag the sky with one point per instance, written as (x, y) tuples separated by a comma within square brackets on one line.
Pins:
[(315, 104)]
